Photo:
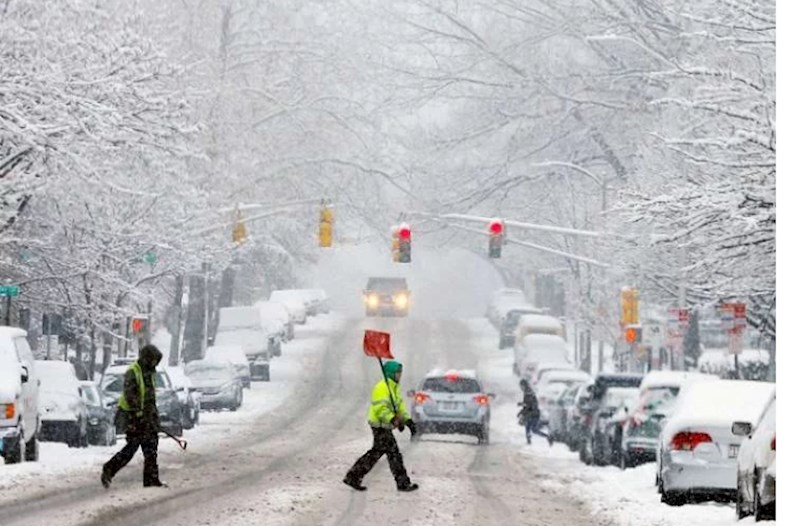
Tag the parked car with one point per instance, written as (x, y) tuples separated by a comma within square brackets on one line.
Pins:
[(548, 397), (188, 397), (242, 326), (273, 310), (590, 402), (509, 320), (607, 423), (658, 392), (102, 431), (294, 304), (234, 354), (321, 298), (545, 369), (538, 324), (64, 415), (452, 402), (578, 418), (755, 473), (501, 301), (697, 448), (534, 349), (217, 383), (557, 425), (386, 297), (19, 398), (170, 409)]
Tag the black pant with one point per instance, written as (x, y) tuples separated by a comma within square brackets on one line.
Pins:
[(383, 444), (149, 444)]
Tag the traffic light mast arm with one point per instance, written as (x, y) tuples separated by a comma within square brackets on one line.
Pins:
[(510, 222)]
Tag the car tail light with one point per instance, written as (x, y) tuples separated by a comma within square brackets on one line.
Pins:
[(481, 399), (421, 398), (452, 377), (687, 440), (11, 410), (772, 443)]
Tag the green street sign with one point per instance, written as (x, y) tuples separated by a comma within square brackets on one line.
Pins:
[(9, 290), (150, 258)]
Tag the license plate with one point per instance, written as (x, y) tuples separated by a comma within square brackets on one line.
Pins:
[(733, 451), (450, 406)]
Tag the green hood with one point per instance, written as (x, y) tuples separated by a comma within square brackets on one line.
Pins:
[(390, 368)]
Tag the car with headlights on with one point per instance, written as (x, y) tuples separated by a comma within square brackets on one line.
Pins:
[(698, 450), (756, 476), (169, 405), (452, 402), (102, 431), (63, 411), (386, 297), (217, 383)]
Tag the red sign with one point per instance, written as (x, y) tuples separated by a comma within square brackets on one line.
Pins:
[(377, 344)]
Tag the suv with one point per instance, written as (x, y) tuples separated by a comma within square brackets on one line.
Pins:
[(19, 398), (452, 402), (387, 296)]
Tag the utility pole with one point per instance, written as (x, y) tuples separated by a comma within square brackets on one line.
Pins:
[(204, 343)]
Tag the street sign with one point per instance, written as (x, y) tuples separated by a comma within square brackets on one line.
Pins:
[(150, 258), (9, 291)]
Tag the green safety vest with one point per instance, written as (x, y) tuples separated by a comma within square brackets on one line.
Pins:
[(137, 371), (381, 413)]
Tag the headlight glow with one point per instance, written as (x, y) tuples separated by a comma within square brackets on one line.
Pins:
[(401, 301), (373, 300)]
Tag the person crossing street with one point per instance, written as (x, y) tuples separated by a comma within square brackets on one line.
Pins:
[(386, 413), (529, 414), (139, 417)]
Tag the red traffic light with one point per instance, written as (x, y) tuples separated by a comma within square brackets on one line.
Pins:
[(496, 227), (137, 324), (404, 233)]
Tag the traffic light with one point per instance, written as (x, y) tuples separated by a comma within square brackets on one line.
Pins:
[(630, 306), (396, 244), (325, 227), (496, 232), (239, 230), (633, 334), (139, 325), (404, 243)]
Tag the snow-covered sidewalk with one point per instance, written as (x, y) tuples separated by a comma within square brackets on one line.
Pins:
[(56, 459), (629, 497)]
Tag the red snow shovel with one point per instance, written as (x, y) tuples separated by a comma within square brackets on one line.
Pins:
[(377, 345)]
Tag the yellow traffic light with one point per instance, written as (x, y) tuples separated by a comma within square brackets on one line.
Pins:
[(326, 227), (630, 306), (239, 230)]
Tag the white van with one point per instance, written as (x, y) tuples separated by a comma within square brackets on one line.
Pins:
[(19, 398), (241, 326)]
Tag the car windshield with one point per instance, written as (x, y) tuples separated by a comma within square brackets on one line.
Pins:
[(451, 385), (386, 284), (659, 400), (619, 396), (203, 370)]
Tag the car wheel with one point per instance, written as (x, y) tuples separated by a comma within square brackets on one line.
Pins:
[(624, 462), (13, 450), (673, 498), (483, 436), (741, 511), (84, 439), (32, 449), (761, 512), (584, 453), (598, 457), (266, 374)]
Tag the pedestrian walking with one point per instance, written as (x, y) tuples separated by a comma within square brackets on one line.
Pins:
[(138, 415), (529, 414), (386, 413)]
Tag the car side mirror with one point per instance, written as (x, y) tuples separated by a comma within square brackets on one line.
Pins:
[(411, 392), (742, 429), (24, 375)]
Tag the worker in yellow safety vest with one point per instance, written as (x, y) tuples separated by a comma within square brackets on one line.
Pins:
[(137, 413), (386, 413)]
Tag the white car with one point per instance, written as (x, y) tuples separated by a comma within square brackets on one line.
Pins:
[(537, 349), (755, 477), (294, 304), (242, 326), (236, 356), (556, 374), (538, 324), (19, 398), (697, 449), (547, 397), (274, 310), (65, 417), (503, 298)]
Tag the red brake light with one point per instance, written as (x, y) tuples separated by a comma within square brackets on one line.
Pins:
[(451, 377), (421, 398), (481, 399), (772, 443), (687, 440)]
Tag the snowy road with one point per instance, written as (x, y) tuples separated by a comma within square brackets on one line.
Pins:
[(281, 458)]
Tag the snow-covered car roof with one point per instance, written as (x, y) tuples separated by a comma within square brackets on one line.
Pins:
[(56, 374), (273, 310), (718, 403), (656, 379), (244, 317), (566, 373), (540, 320), (178, 376), (543, 340), (233, 353), (12, 332), (460, 373)]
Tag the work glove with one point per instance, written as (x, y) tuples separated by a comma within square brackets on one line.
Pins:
[(398, 423), (411, 427)]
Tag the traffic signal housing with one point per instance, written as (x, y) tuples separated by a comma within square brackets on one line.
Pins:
[(633, 334), (404, 243), (326, 227), (496, 233)]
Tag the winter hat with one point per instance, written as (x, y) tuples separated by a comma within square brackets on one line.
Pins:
[(391, 367)]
